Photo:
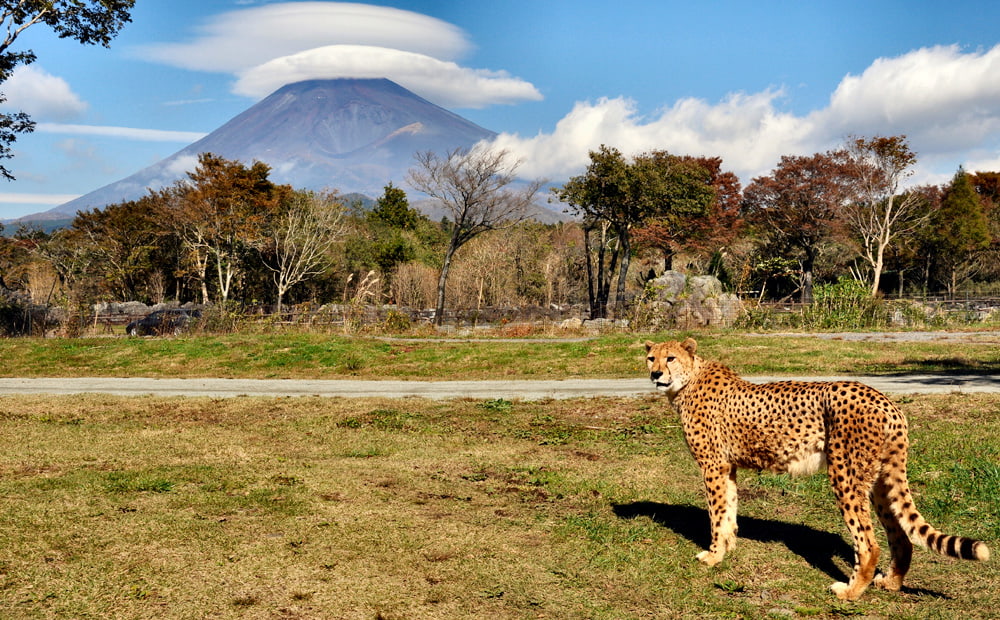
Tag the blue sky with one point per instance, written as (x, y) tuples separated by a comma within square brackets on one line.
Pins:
[(748, 81)]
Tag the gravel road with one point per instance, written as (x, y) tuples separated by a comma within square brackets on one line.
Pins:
[(525, 390)]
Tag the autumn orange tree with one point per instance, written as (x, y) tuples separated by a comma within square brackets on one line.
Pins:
[(128, 246), (797, 208), (220, 213)]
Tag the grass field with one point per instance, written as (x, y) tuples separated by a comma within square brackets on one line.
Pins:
[(327, 356), (333, 508)]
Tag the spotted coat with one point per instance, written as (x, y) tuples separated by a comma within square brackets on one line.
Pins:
[(799, 427)]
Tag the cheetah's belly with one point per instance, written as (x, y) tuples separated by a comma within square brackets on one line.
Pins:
[(807, 461)]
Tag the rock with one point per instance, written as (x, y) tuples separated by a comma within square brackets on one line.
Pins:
[(571, 323), (676, 301)]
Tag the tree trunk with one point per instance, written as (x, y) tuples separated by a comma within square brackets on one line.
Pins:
[(668, 258), (442, 283), (591, 297), (808, 266), (626, 251), (877, 266)]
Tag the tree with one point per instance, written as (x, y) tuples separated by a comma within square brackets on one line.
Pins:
[(959, 228), (220, 212), (393, 209), (124, 239), (476, 188), (672, 193), (299, 239), (987, 185), (614, 196), (91, 22), (881, 211), (798, 206), (600, 197), (722, 223)]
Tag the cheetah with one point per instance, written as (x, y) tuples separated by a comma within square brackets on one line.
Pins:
[(799, 427)]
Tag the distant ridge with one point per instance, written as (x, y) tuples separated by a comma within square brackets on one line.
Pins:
[(354, 135)]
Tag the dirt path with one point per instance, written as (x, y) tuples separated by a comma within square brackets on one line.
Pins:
[(479, 390)]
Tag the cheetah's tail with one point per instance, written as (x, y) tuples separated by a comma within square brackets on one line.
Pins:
[(924, 534)]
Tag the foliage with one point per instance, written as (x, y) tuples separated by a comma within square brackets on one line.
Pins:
[(614, 196), (393, 210), (91, 22), (393, 234), (228, 235), (220, 213), (797, 208), (959, 228), (705, 232), (127, 248), (845, 304)]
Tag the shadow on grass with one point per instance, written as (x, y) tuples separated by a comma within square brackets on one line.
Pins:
[(941, 367), (820, 549)]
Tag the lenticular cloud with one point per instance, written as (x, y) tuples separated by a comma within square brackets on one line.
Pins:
[(238, 40), (445, 83)]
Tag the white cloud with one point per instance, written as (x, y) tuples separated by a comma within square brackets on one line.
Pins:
[(42, 95), (127, 133), (745, 130), (181, 165), (36, 199), (237, 40), (945, 101), (270, 46), (938, 95), (443, 82)]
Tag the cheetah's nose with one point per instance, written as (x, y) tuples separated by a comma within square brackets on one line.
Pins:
[(655, 375)]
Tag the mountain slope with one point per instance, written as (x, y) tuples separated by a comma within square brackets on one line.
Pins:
[(354, 135)]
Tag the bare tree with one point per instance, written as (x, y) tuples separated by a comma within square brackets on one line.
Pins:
[(475, 188), (882, 211), (300, 239)]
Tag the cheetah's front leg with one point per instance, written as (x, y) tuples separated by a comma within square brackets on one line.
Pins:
[(720, 491)]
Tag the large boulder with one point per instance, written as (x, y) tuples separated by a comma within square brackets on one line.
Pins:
[(674, 300)]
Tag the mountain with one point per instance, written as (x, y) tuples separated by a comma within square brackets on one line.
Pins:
[(354, 135)]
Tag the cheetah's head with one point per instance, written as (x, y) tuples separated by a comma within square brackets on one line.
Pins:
[(671, 364)]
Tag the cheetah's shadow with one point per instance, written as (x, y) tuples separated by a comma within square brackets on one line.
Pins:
[(820, 549)]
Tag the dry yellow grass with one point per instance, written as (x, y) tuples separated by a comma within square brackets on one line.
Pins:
[(330, 508)]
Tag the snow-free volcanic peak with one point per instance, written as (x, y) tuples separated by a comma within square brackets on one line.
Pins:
[(354, 135)]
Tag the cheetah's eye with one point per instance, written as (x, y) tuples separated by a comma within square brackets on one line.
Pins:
[(670, 358), (650, 359)]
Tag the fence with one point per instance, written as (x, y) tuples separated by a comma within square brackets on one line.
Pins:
[(110, 319)]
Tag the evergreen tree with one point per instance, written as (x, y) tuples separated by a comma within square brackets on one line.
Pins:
[(393, 210), (960, 229)]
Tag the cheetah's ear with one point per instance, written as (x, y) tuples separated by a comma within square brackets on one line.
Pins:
[(649, 345), (690, 345)]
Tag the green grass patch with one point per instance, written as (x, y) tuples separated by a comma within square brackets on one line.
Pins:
[(318, 356)]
